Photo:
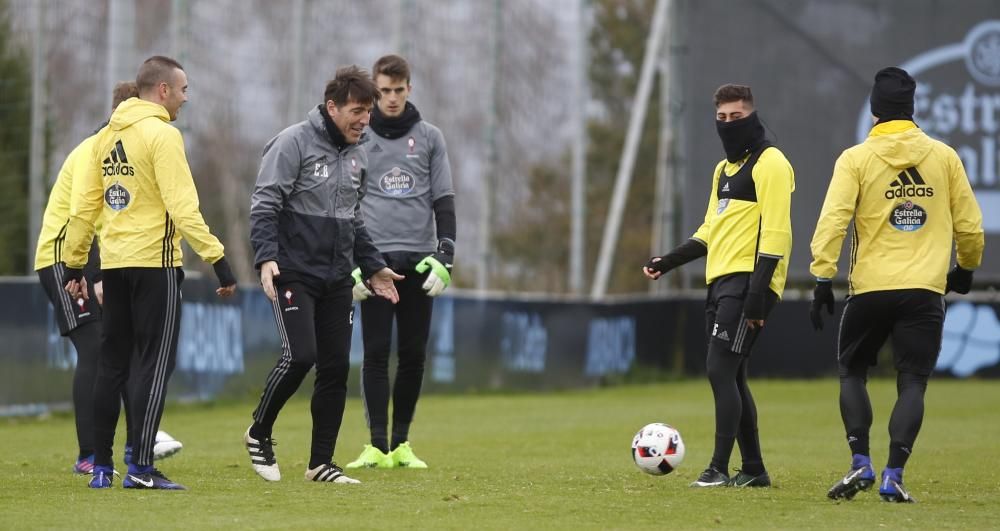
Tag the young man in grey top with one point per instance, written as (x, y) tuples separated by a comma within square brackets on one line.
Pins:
[(307, 234), (409, 205)]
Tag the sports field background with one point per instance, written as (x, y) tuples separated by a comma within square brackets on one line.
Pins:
[(529, 461)]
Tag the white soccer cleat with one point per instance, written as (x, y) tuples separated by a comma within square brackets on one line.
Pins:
[(329, 473), (262, 457), (165, 446)]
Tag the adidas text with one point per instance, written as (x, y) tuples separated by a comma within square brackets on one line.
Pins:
[(910, 191), (116, 169)]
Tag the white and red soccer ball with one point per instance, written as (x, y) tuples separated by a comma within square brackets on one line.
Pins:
[(657, 449)]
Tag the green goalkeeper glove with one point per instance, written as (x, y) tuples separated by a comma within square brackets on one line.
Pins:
[(439, 276), (360, 291)]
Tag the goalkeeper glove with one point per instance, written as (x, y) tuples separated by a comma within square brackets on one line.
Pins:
[(360, 291), (440, 273)]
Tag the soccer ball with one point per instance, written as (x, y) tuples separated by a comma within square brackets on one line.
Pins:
[(657, 449)]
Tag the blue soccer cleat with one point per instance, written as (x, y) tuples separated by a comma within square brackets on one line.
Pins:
[(891, 489), (861, 477), (151, 479), (102, 476)]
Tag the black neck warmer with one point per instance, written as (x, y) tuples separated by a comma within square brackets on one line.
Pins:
[(740, 137), (393, 128), (336, 137)]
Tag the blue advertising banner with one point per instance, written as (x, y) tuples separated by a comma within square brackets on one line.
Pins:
[(226, 348)]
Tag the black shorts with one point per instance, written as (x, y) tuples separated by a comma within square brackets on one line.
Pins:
[(69, 313), (724, 321), (913, 317)]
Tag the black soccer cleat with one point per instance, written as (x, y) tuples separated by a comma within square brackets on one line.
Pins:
[(857, 480), (711, 478), (153, 479), (742, 479)]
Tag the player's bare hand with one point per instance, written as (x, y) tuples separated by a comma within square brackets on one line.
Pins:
[(268, 272), (226, 291), (755, 323), (99, 292), (78, 289), (383, 284), (651, 273)]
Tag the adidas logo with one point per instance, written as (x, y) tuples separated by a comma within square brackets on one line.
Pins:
[(725, 187), (723, 336), (377, 149), (116, 162), (909, 183)]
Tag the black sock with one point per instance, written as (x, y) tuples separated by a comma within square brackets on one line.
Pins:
[(898, 455), (382, 443), (400, 434), (906, 418), (259, 432), (753, 468), (858, 443), (723, 449), (856, 408)]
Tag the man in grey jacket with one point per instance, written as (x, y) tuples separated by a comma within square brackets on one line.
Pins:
[(307, 234), (410, 201)]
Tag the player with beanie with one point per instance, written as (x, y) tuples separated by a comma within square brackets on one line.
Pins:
[(911, 203)]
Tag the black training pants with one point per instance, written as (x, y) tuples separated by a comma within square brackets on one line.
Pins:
[(413, 322), (314, 323), (142, 310), (729, 346), (914, 318)]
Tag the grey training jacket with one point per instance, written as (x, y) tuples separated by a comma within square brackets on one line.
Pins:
[(305, 207)]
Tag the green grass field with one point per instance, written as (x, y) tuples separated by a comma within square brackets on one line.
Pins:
[(532, 461)]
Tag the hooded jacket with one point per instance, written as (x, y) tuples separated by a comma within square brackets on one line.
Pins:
[(52, 236), (305, 207), (910, 199), (138, 177)]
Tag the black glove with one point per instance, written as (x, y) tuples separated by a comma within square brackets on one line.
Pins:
[(224, 273), (684, 253), (959, 280), (822, 296)]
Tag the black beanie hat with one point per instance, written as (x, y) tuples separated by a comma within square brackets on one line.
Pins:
[(892, 95)]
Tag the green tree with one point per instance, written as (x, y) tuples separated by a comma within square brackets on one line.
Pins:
[(15, 119), (535, 248)]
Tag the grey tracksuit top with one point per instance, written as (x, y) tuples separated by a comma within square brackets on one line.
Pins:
[(406, 176), (305, 207)]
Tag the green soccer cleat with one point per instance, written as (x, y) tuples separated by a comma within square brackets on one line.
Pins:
[(372, 457), (403, 457)]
